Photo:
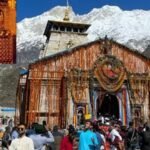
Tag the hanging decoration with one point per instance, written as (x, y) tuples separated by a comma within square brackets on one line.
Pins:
[(79, 83), (110, 73), (124, 106), (139, 89)]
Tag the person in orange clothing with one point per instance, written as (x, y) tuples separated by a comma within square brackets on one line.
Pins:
[(1, 133)]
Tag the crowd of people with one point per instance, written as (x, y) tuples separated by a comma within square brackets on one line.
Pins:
[(102, 134)]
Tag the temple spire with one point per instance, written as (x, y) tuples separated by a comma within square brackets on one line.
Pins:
[(66, 17)]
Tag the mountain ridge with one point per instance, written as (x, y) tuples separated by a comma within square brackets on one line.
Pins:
[(130, 28)]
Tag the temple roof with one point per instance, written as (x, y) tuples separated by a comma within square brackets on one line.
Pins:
[(61, 53)]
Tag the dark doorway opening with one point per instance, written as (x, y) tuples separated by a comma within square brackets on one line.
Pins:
[(108, 106), (80, 115)]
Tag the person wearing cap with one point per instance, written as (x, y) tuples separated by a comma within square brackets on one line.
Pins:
[(88, 139)]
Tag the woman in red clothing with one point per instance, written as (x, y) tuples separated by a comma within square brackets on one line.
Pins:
[(67, 141)]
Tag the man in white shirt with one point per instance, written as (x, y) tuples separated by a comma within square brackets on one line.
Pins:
[(23, 142), (115, 134)]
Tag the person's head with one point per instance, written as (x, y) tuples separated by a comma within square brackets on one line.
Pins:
[(14, 128), (96, 127), (147, 128), (131, 124), (44, 122), (40, 129), (65, 132), (123, 128), (21, 129), (145, 124), (88, 124), (71, 129), (117, 127), (55, 128), (7, 129)]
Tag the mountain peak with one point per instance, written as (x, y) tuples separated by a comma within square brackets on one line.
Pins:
[(111, 7), (130, 28)]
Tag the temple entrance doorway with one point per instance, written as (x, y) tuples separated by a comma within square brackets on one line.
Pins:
[(109, 105), (80, 114)]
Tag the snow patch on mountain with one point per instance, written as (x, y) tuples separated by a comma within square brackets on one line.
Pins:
[(130, 28)]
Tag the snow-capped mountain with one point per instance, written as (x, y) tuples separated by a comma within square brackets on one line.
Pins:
[(130, 28)]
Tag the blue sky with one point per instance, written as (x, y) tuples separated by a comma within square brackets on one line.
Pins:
[(30, 8)]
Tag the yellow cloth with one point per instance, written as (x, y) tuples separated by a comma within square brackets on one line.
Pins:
[(88, 116), (1, 134)]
